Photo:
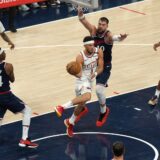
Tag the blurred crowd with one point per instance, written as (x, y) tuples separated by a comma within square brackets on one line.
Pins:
[(24, 8)]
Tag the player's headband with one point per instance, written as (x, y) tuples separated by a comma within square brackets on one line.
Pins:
[(88, 42), (1, 50)]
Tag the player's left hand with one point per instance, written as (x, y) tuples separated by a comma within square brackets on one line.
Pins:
[(12, 46), (123, 36)]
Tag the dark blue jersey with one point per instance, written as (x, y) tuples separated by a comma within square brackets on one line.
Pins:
[(4, 79), (107, 48)]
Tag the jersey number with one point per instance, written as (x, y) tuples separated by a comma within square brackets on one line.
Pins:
[(101, 47)]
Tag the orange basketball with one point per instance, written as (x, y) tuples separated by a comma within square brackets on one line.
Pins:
[(73, 68)]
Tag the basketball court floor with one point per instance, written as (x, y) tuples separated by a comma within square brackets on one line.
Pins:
[(41, 54)]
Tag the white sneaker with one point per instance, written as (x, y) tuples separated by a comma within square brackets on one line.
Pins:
[(24, 8), (58, 1), (35, 5)]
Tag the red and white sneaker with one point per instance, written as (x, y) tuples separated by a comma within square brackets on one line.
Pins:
[(102, 118), (83, 113), (27, 143), (69, 126), (59, 110)]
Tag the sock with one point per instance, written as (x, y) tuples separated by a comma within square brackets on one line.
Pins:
[(102, 109), (25, 132), (68, 104), (157, 93), (1, 122), (72, 119), (26, 122)]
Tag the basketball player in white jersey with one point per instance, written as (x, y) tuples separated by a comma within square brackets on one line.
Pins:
[(91, 61), (154, 100), (5, 37)]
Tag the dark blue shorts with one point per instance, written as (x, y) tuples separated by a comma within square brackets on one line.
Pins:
[(11, 102), (102, 79)]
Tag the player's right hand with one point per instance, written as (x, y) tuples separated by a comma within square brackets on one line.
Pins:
[(80, 11), (156, 45)]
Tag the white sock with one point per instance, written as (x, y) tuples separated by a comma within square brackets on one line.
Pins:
[(68, 104), (26, 122), (100, 91), (1, 122), (72, 119), (25, 132), (157, 93), (102, 108)]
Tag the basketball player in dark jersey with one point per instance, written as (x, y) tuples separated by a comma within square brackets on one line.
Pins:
[(154, 100), (104, 40), (8, 101)]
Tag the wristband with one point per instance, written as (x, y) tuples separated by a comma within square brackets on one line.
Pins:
[(82, 17)]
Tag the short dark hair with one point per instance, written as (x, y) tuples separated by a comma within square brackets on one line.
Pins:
[(118, 148), (104, 19), (88, 38)]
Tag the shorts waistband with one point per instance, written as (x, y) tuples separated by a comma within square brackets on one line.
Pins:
[(5, 92)]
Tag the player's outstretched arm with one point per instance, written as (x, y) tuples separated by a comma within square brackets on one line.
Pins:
[(6, 38), (111, 38), (91, 28)]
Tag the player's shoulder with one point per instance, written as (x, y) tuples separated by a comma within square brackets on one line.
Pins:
[(8, 65)]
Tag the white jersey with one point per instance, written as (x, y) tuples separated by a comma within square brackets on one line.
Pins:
[(84, 84), (89, 64), (1, 27)]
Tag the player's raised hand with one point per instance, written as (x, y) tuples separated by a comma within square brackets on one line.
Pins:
[(156, 45), (123, 36), (80, 11)]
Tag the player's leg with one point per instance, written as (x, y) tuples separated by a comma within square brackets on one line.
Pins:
[(83, 92), (154, 100), (81, 88), (70, 122), (3, 110), (16, 105), (101, 84)]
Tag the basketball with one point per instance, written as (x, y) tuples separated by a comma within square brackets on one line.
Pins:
[(73, 68)]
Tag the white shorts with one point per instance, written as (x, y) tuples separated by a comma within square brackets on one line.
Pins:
[(83, 86)]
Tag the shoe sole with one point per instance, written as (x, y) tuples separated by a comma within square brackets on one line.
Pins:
[(102, 123), (24, 145), (58, 113)]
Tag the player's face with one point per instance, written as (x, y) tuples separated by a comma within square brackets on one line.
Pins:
[(102, 26), (89, 48)]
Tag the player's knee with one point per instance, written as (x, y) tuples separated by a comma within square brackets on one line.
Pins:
[(100, 90), (27, 110)]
